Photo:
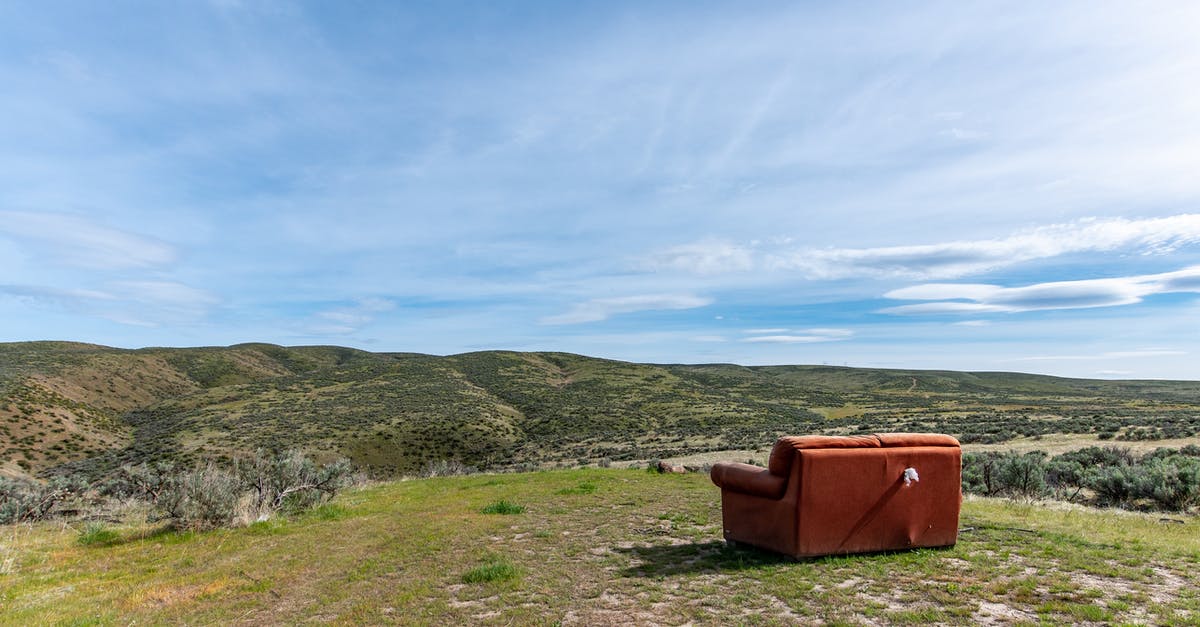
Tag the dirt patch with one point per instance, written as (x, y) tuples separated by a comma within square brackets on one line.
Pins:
[(1000, 614), (1166, 586)]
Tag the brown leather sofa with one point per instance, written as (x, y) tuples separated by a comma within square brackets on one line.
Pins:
[(825, 495)]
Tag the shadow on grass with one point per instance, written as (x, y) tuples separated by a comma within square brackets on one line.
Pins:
[(715, 556), (165, 534), (718, 556)]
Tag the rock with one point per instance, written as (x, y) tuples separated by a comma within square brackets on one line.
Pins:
[(665, 467)]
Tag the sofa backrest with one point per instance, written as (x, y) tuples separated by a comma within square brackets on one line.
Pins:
[(890, 440), (784, 451)]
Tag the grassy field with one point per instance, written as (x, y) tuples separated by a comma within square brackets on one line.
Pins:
[(591, 547)]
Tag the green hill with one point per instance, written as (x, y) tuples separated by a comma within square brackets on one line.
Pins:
[(592, 547), (76, 407)]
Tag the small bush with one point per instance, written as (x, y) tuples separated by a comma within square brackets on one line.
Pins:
[(446, 468), (1023, 475), (291, 482), (217, 496), (97, 534), (1173, 482), (502, 507), (26, 501), (204, 498)]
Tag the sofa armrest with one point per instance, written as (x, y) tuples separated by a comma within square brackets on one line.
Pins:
[(748, 479)]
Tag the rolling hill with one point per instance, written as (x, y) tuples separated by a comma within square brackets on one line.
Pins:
[(79, 407)]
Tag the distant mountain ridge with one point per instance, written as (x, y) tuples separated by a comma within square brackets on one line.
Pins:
[(71, 406)]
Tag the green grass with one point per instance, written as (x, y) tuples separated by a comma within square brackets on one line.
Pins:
[(502, 507), (494, 568), (641, 547), (583, 487)]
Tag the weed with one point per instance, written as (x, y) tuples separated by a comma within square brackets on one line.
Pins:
[(97, 534), (329, 511), (494, 568), (583, 487), (502, 507)]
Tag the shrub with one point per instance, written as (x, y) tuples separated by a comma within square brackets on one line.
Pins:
[(1007, 473), (204, 498), (979, 474), (1173, 482), (146, 482), (291, 482), (1117, 485), (446, 468), (1023, 475), (25, 501), (214, 496), (1099, 456)]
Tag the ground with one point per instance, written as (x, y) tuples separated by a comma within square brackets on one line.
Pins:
[(594, 547)]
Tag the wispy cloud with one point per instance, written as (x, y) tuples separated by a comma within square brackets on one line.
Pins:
[(1146, 236), (139, 303), (704, 258), (80, 242), (801, 336), (966, 298), (1138, 354), (599, 309), (348, 319), (45, 295)]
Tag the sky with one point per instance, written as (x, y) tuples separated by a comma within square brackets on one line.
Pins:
[(969, 186)]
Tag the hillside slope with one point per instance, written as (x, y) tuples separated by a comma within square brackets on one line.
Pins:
[(75, 407), (65, 401)]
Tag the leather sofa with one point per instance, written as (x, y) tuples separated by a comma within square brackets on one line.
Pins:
[(828, 495)]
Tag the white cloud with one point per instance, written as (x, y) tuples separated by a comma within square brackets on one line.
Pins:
[(599, 309), (704, 258), (80, 242), (128, 302), (1135, 354), (347, 320), (1148, 236), (71, 298), (803, 336), (166, 293), (975, 298)]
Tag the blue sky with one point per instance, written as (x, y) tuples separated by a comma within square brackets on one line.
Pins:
[(972, 186)]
